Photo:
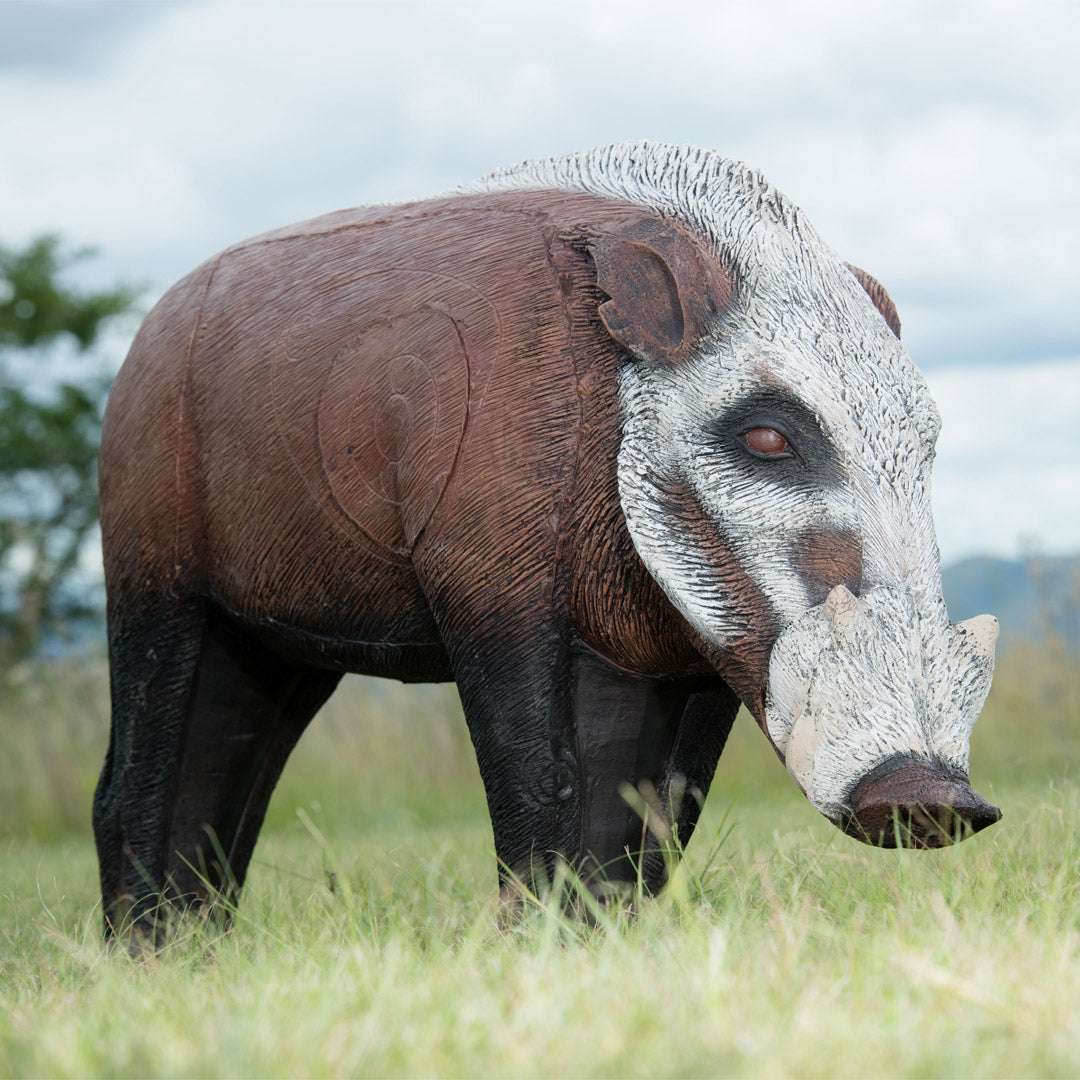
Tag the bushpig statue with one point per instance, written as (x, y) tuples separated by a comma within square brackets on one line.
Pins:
[(614, 441)]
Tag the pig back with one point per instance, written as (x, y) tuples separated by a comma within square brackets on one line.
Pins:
[(374, 422)]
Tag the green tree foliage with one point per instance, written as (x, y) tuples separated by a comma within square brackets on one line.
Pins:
[(49, 429)]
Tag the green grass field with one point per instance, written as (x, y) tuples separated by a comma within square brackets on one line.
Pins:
[(368, 941)]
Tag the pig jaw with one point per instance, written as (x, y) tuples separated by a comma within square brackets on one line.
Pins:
[(871, 704)]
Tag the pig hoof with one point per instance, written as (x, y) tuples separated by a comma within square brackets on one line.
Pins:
[(906, 802)]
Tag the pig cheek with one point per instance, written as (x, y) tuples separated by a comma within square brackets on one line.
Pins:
[(740, 649), (822, 558)]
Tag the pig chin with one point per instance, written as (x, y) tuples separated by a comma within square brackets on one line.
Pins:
[(871, 702)]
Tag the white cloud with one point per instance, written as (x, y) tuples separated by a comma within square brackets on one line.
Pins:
[(935, 144), (138, 191), (1007, 474)]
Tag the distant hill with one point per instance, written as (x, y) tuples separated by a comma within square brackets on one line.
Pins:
[(1033, 598)]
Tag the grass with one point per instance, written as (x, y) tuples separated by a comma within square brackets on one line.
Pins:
[(368, 941)]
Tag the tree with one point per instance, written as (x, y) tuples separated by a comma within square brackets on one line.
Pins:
[(49, 430)]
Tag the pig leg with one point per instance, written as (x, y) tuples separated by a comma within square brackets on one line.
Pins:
[(660, 737), (249, 708), (153, 657), (516, 703), (557, 733), (204, 719)]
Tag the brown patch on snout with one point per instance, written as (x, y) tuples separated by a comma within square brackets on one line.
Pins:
[(826, 558), (907, 802)]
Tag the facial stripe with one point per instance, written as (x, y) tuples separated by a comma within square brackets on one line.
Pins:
[(814, 462), (693, 559)]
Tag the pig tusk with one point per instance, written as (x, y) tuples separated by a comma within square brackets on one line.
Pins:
[(982, 631), (841, 606)]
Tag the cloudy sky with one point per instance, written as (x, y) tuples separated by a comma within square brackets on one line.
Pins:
[(936, 144)]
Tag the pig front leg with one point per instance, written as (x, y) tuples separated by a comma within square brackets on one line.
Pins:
[(647, 750), (560, 733)]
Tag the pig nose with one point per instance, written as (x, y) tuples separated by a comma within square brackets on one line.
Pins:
[(908, 802)]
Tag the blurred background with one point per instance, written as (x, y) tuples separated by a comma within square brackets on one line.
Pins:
[(936, 144)]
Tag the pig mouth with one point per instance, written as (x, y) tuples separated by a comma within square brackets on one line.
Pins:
[(908, 802)]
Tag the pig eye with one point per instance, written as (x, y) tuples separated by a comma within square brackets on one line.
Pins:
[(766, 442)]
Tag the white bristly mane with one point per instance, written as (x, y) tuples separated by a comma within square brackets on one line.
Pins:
[(718, 196)]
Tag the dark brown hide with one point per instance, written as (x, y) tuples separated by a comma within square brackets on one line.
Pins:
[(664, 294), (384, 441)]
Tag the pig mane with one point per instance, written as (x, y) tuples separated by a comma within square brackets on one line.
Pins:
[(722, 199)]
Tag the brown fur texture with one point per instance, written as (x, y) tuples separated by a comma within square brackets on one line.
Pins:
[(828, 558), (336, 401)]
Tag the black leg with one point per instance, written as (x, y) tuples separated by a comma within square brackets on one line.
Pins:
[(204, 720), (557, 735), (249, 708), (153, 658), (660, 737), (517, 705)]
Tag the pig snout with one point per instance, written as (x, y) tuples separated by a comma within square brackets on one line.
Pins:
[(905, 802), (871, 703)]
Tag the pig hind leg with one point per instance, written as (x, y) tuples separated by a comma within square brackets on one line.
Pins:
[(203, 721)]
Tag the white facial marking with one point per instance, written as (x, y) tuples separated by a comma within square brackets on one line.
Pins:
[(841, 607), (984, 633)]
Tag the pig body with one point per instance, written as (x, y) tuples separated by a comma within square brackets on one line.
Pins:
[(513, 437)]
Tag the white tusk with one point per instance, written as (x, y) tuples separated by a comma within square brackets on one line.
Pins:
[(841, 607), (982, 630)]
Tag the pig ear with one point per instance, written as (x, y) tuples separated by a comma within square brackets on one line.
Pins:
[(876, 291), (664, 291)]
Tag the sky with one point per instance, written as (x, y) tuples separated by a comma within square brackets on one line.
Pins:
[(935, 144)]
